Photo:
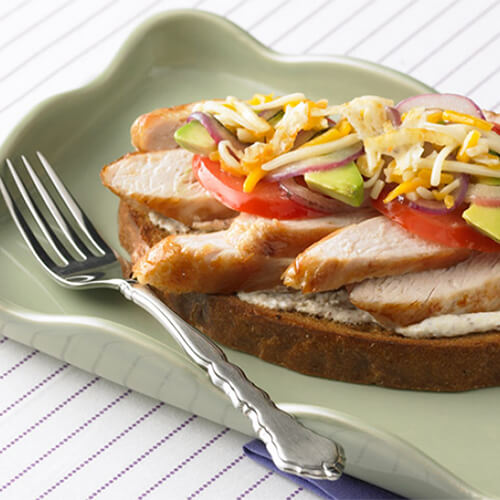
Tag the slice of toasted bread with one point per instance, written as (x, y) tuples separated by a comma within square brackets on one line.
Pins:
[(323, 348)]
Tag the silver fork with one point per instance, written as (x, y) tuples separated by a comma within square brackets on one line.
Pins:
[(293, 447)]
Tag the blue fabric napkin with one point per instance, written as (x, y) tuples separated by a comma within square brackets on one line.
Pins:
[(346, 488)]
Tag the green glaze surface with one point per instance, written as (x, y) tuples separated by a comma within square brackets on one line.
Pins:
[(419, 444)]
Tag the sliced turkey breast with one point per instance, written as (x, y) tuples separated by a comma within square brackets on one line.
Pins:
[(154, 131), (250, 255), (164, 182), (374, 248), (468, 287)]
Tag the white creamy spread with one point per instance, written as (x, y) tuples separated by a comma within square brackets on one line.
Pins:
[(170, 225), (453, 325), (335, 306)]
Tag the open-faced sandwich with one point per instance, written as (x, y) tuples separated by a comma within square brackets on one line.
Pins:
[(358, 242)]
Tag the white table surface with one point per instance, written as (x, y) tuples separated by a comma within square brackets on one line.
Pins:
[(67, 434)]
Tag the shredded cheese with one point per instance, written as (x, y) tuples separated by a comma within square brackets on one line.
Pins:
[(449, 201), (244, 110), (438, 165), (372, 180), (231, 117), (424, 193), (279, 102), (414, 155), (449, 188), (377, 189), (226, 156), (456, 117), (252, 179), (435, 117), (403, 188), (311, 151), (470, 141), (462, 168), (489, 160)]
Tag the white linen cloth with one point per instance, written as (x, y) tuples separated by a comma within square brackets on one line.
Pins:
[(67, 434)]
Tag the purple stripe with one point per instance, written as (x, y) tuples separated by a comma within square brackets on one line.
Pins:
[(148, 452), (495, 106), (34, 389), (56, 41), (101, 450), (80, 54), (214, 478), (235, 7), (15, 9), (255, 485), (18, 364), (199, 451), (59, 407), (468, 58), (377, 29), (35, 24), (267, 15), (463, 28), (294, 493), (65, 440), (486, 78), (338, 25), (300, 22), (421, 28)]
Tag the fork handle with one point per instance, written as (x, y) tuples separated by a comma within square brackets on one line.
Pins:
[(293, 447)]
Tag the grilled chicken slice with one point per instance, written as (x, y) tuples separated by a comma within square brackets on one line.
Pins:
[(154, 131), (468, 287), (374, 248), (250, 255), (164, 182), (207, 263)]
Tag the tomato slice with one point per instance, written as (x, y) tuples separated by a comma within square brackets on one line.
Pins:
[(450, 229), (267, 199)]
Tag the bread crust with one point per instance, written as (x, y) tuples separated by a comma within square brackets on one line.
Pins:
[(323, 348)]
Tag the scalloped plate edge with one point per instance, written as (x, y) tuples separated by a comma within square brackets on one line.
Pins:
[(24, 326)]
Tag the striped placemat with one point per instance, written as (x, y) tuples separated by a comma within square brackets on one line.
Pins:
[(67, 434)]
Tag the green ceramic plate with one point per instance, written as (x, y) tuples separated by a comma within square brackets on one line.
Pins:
[(418, 444)]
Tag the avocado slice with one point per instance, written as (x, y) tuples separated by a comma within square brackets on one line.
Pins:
[(195, 138), (484, 219), (342, 183)]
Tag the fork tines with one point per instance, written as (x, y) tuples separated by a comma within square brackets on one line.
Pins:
[(64, 241)]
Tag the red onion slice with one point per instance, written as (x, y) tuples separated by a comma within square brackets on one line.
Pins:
[(310, 199), (216, 130), (325, 162), (267, 114), (432, 207), (436, 207), (483, 195), (453, 102), (487, 202), (302, 137), (394, 116)]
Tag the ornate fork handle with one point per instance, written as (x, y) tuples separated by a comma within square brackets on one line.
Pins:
[(292, 447)]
